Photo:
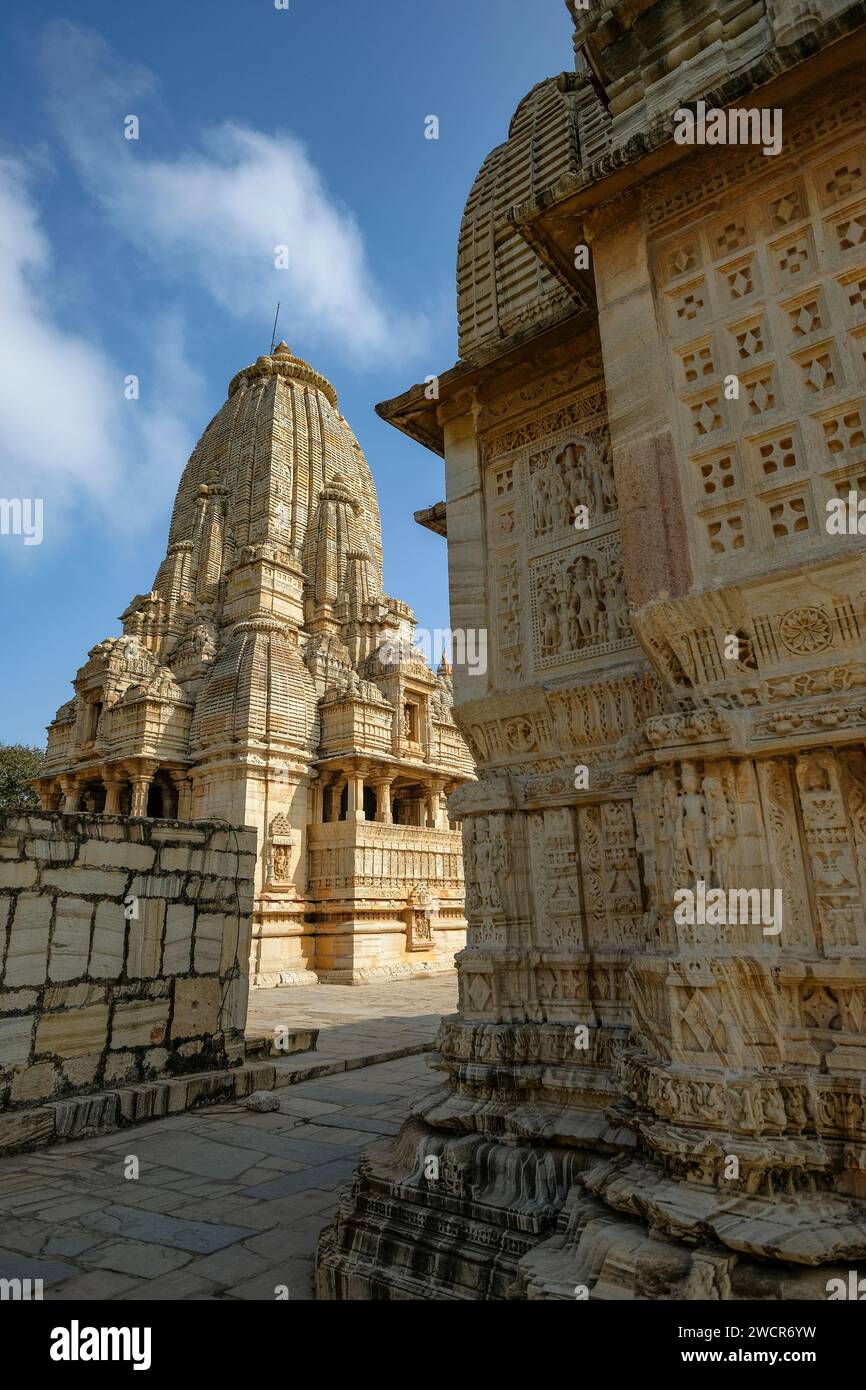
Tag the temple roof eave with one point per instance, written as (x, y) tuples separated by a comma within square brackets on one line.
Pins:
[(471, 381)]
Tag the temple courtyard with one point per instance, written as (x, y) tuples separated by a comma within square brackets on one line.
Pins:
[(228, 1202)]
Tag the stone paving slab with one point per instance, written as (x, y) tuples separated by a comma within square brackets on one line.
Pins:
[(229, 1202), (229, 1235), (383, 1012), (393, 1020)]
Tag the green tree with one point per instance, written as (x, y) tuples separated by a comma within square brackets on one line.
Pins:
[(18, 763)]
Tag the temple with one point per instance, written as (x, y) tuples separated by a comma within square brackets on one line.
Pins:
[(267, 680), (660, 397)]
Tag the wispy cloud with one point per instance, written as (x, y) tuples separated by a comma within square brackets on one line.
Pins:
[(214, 214), (56, 391), (67, 434)]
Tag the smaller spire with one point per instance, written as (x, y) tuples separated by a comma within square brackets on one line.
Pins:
[(282, 350)]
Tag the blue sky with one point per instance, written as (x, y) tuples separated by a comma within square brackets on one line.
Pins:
[(154, 258)]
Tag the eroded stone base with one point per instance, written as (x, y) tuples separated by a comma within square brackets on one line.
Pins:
[(527, 1221)]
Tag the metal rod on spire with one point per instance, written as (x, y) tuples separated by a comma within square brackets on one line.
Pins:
[(274, 334)]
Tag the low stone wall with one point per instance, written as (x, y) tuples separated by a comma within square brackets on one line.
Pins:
[(124, 951)]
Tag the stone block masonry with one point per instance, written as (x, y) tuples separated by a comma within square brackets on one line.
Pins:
[(114, 966)]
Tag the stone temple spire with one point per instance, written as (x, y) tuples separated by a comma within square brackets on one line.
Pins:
[(247, 686)]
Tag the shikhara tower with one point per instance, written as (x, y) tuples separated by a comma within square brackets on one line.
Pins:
[(267, 679)]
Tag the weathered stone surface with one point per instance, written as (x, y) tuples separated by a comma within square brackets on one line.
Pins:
[(27, 957), (142, 1023), (196, 1007), (22, 1129), (53, 851), (72, 996), (210, 928), (103, 883), (16, 1038), (73, 1033), (15, 1001), (109, 940), (177, 951), (656, 1084), (81, 1070), (18, 875), (70, 938), (36, 1082), (262, 1101), (145, 938), (120, 855)]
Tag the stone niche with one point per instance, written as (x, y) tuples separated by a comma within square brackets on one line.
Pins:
[(124, 952)]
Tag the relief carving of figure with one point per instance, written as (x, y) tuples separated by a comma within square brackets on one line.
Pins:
[(548, 607), (278, 864), (470, 836), (693, 824), (582, 484), (605, 468), (615, 608), (542, 510), (497, 868), (720, 830), (586, 599)]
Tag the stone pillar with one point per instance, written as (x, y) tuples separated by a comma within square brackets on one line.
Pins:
[(355, 809), (141, 776), (70, 789), (183, 784), (113, 789), (655, 539), (384, 810), (45, 792), (140, 789), (316, 803), (434, 806)]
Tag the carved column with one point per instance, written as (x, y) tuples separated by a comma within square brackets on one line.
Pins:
[(140, 788), (316, 802), (184, 786), (113, 788), (434, 805), (355, 809), (384, 811), (71, 792), (140, 775), (47, 795)]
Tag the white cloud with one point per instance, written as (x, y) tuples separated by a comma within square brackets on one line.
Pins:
[(56, 390), (67, 435), (214, 215)]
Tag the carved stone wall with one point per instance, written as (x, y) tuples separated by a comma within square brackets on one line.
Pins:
[(656, 1084)]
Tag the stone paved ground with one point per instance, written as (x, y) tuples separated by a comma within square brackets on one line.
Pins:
[(228, 1203), (357, 1019)]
